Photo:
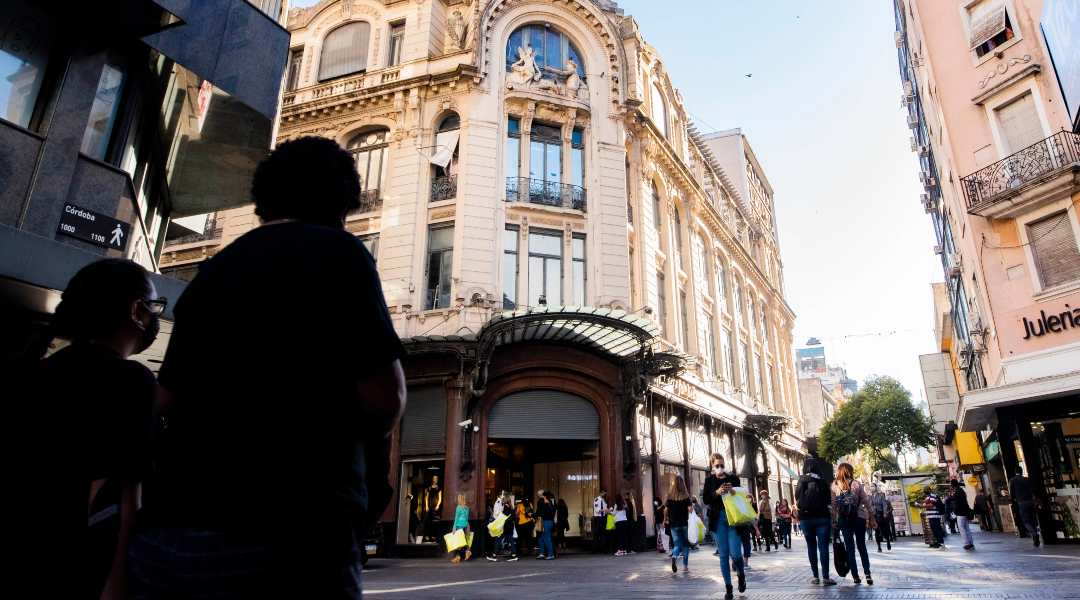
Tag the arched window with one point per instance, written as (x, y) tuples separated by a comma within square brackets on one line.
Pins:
[(721, 284), (344, 51), (370, 149), (736, 292), (444, 159), (659, 109), (552, 47)]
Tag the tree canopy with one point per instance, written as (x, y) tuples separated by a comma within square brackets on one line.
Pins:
[(881, 421)]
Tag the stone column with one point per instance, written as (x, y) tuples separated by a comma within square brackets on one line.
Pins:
[(455, 414)]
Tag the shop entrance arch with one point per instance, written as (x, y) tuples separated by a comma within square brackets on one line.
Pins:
[(546, 440)]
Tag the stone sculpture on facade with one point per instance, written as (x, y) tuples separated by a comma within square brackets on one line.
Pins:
[(574, 83), (458, 30), (524, 71)]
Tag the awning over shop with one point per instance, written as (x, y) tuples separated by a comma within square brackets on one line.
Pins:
[(612, 332)]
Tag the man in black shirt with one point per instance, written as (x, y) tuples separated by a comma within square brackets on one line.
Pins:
[(1023, 492), (281, 385)]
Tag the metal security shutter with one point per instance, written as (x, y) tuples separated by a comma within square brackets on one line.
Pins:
[(1020, 124), (699, 448), (644, 436), (670, 444), (1054, 243), (423, 428), (544, 415), (344, 51)]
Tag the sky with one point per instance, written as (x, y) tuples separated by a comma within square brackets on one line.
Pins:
[(821, 110)]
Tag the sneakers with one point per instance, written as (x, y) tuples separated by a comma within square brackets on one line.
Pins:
[(1036, 538), (828, 581), (620, 553), (512, 559), (815, 581), (727, 593), (869, 580), (541, 557), (492, 559), (685, 569), (855, 579), (549, 558), (742, 583), (969, 547), (879, 548)]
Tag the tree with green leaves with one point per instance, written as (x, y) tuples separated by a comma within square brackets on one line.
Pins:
[(881, 421)]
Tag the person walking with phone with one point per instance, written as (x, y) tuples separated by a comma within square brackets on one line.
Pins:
[(677, 508), (812, 498), (728, 539)]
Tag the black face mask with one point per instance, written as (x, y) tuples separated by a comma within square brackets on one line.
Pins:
[(150, 333)]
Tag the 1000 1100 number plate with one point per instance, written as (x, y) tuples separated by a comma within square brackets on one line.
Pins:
[(371, 548)]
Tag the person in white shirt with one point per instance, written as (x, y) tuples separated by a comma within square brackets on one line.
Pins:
[(600, 513), (621, 533)]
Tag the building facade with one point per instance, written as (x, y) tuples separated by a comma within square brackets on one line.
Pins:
[(998, 159), (117, 118), (589, 297)]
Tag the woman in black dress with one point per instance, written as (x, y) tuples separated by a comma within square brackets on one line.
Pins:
[(562, 522)]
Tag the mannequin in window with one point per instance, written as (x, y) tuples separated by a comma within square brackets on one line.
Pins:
[(574, 83), (432, 508)]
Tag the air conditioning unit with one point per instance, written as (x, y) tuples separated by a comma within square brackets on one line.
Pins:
[(963, 362), (978, 347), (898, 37), (956, 258), (916, 61), (914, 145), (908, 88), (930, 184), (923, 150), (926, 175), (912, 121), (907, 99), (975, 324), (937, 250), (962, 348), (924, 198)]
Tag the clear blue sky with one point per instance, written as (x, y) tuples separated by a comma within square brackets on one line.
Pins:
[(822, 113)]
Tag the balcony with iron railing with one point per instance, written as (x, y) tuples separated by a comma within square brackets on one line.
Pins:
[(548, 193), (370, 201), (1025, 180), (444, 188)]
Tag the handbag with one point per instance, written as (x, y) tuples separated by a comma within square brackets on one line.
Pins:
[(610, 522), (839, 555), (495, 528), (539, 528), (455, 539)]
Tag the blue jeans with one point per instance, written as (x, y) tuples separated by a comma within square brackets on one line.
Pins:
[(545, 539), (938, 531), (785, 533), (854, 531), (818, 531), (729, 546), (507, 534), (679, 541)]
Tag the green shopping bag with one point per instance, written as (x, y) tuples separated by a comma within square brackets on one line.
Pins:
[(610, 522), (495, 528), (739, 509)]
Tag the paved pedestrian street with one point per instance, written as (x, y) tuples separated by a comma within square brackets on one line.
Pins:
[(1002, 566)]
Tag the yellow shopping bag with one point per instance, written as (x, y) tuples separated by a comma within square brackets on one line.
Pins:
[(610, 524), (740, 511), (468, 541), (495, 528), (454, 540)]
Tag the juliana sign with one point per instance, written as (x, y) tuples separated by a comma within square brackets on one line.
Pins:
[(1053, 323)]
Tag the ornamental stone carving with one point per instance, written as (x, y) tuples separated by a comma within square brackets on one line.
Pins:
[(457, 29)]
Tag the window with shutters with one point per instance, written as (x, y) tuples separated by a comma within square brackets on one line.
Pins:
[(1054, 248), (344, 51), (990, 27), (1020, 124)]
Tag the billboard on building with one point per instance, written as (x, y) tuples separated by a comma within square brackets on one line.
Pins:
[(1060, 25)]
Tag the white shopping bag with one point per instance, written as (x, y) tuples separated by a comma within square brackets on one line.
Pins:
[(693, 532)]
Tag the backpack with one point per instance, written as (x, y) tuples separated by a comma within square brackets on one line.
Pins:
[(846, 505), (810, 501)]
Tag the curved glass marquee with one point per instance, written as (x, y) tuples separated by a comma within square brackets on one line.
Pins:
[(552, 47)]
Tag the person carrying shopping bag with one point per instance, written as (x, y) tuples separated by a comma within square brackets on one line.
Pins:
[(502, 508), (461, 523), (621, 533), (727, 537), (677, 509), (545, 514), (852, 513)]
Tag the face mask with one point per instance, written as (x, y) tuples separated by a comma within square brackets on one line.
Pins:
[(718, 470), (149, 333), (656, 503), (873, 489)]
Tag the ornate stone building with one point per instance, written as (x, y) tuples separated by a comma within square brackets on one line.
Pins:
[(561, 250)]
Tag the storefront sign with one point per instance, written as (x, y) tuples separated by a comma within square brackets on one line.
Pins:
[(1072, 439), (680, 388), (992, 450), (973, 481), (93, 227), (1061, 30), (1053, 323)]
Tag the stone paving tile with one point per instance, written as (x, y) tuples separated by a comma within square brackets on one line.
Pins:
[(1002, 566)]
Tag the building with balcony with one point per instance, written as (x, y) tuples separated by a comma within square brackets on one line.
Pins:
[(120, 119), (589, 297), (998, 162)]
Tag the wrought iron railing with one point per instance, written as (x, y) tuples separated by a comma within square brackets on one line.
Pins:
[(210, 232), (444, 188), (370, 201), (1038, 159), (536, 191)]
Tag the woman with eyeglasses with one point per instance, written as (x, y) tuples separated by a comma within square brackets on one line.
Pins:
[(79, 414)]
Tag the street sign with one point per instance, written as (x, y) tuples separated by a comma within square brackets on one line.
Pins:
[(93, 227), (973, 482)]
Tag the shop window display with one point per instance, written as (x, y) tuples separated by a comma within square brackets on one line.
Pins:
[(1058, 445), (422, 482)]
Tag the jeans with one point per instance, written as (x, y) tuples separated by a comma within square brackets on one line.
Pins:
[(1029, 517), (965, 530), (507, 534), (882, 531), (729, 546), (854, 531), (785, 533), (818, 531), (939, 531), (680, 543), (545, 540), (622, 532)]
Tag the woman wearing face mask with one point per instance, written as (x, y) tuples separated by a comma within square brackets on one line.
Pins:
[(728, 538), (783, 516), (81, 413)]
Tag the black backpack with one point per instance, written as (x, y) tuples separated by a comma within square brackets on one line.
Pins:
[(810, 501), (846, 505)]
